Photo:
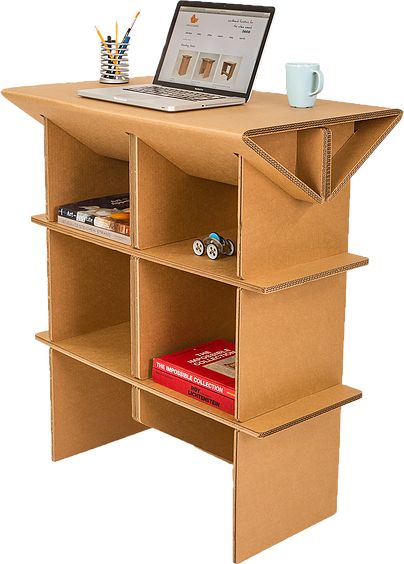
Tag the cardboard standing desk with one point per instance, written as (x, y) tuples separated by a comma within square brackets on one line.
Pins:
[(277, 180)]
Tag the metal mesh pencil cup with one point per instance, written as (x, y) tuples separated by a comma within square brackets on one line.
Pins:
[(114, 62)]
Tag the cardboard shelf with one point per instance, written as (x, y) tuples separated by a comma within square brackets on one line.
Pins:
[(180, 256), (41, 219), (104, 351), (107, 349)]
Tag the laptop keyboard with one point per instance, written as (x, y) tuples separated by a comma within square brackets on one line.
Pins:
[(174, 93)]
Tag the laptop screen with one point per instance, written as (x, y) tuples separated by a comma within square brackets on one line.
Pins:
[(214, 48)]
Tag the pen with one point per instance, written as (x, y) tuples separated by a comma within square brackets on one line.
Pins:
[(126, 37)]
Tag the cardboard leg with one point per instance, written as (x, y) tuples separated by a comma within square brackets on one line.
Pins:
[(89, 408), (284, 483)]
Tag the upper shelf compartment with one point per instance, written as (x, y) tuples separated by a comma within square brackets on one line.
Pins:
[(203, 143)]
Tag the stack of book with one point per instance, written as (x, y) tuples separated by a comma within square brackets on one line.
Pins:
[(205, 373), (107, 216)]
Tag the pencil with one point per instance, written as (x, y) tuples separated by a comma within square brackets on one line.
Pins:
[(104, 43), (116, 39)]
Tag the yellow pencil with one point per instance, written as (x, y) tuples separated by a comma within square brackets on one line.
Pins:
[(116, 38), (105, 45)]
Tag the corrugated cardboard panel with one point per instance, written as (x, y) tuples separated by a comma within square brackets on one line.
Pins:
[(88, 287), (278, 231), (285, 483), (290, 344), (178, 310), (191, 427), (172, 206), (193, 136), (74, 172), (89, 408), (260, 427)]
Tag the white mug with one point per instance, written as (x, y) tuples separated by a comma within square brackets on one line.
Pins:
[(303, 82)]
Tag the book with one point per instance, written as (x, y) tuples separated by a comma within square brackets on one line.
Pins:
[(196, 392), (107, 214), (211, 366), (112, 235)]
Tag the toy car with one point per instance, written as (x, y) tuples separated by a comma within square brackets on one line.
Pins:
[(214, 245)]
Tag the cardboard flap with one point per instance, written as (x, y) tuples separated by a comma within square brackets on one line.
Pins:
[(303, 410), (368, 134), (298, 161), (301, 161)]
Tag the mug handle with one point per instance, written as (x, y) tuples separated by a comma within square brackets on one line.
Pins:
[(320, 83)]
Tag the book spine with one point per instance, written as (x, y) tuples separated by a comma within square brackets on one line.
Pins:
[(112, 235), (196, 392), (90, 219), (193, 378)]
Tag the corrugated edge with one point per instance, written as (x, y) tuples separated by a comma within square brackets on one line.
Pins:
[(327, 159), (322, 122), (284, 171), (310, 415), (317, 276), (247, 138), (235, 471)]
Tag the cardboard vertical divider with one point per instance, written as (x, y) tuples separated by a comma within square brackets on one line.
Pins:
[(278, 178), (89, 408)]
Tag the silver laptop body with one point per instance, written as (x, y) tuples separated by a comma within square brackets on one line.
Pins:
[(210, 59)]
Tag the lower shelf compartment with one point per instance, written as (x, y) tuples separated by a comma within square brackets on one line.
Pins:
[(92, 349)]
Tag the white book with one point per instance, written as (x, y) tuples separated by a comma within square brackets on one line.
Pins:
[(112, 235)]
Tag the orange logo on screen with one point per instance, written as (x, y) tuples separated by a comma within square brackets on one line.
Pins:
[(194, 19)]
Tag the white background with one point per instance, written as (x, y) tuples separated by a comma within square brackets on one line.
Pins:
[(140, 500)]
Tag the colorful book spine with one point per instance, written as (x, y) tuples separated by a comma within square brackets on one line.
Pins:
[(90, 219), (193, 378), (194, 391), (112, 235)]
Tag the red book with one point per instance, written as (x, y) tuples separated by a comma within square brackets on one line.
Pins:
[(191, 390), (211, 366)]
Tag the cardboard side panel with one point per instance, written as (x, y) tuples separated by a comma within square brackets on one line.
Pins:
[(278, 231), (206, 434), (173, 206), (284, 483), (88, 286), (290, 344), (74, 172), (178, 310), (89, 408)]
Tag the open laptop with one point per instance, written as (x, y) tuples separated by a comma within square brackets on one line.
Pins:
[(210, 59)]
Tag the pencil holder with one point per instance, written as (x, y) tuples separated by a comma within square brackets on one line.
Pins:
[(114, 62)]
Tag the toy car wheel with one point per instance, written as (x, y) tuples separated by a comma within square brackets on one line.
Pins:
[(212, 251), (231, 246), (198, 247)]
